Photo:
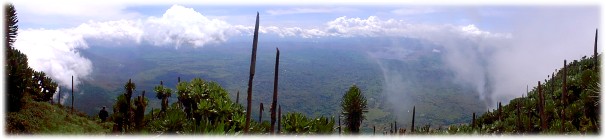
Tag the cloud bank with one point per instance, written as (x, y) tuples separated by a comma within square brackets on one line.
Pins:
[(56, 51)]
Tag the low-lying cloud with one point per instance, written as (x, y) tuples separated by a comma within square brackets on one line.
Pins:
[(56, 51)]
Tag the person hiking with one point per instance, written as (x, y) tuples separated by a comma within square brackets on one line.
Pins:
[(103, 114)]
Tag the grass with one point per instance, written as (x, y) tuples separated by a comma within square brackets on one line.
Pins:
[(44, 118), (375, 113)]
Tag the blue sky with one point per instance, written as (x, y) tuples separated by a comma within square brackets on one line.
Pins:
[(495, 18), (505, 36)]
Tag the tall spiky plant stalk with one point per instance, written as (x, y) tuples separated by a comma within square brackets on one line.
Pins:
[(529, 111), (500, 112), (72, 94), (563, 99), (140, 112), (473, 121), (238, 97), (252, 74), (59, 102), (595, 50), (390, 128), (260, 113), (279, 118), (275, 98), (552, 83), (542, 108), (340, 124), (412, 128), (518, 119), (395, 127), (373, 130)]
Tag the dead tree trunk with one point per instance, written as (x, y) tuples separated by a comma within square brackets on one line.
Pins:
[(252, 74), (275, 98)]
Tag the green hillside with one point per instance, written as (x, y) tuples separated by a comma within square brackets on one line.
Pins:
[(577, 112), (580, 105), (44, 118)]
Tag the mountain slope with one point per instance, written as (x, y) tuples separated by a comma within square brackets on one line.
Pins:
[(44, 118), (575, 112)]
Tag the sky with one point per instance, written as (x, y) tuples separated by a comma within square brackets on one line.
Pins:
[(515, 43)]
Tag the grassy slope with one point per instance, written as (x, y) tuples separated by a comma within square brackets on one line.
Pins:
[(44, 118), (583, 82)]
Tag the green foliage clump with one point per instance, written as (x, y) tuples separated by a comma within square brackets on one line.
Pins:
[(297, 123), (353, 105), (207, 108), (163, 93), (21, 79)]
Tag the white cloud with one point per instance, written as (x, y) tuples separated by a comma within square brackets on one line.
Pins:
[(180, 25), (56, 51), (373, 27)]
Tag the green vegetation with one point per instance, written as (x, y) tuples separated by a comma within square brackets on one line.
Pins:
[(23, 80), (574, 113), (28, 94), (44, 118), (296, 123), (353, 107), (206, 108)]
